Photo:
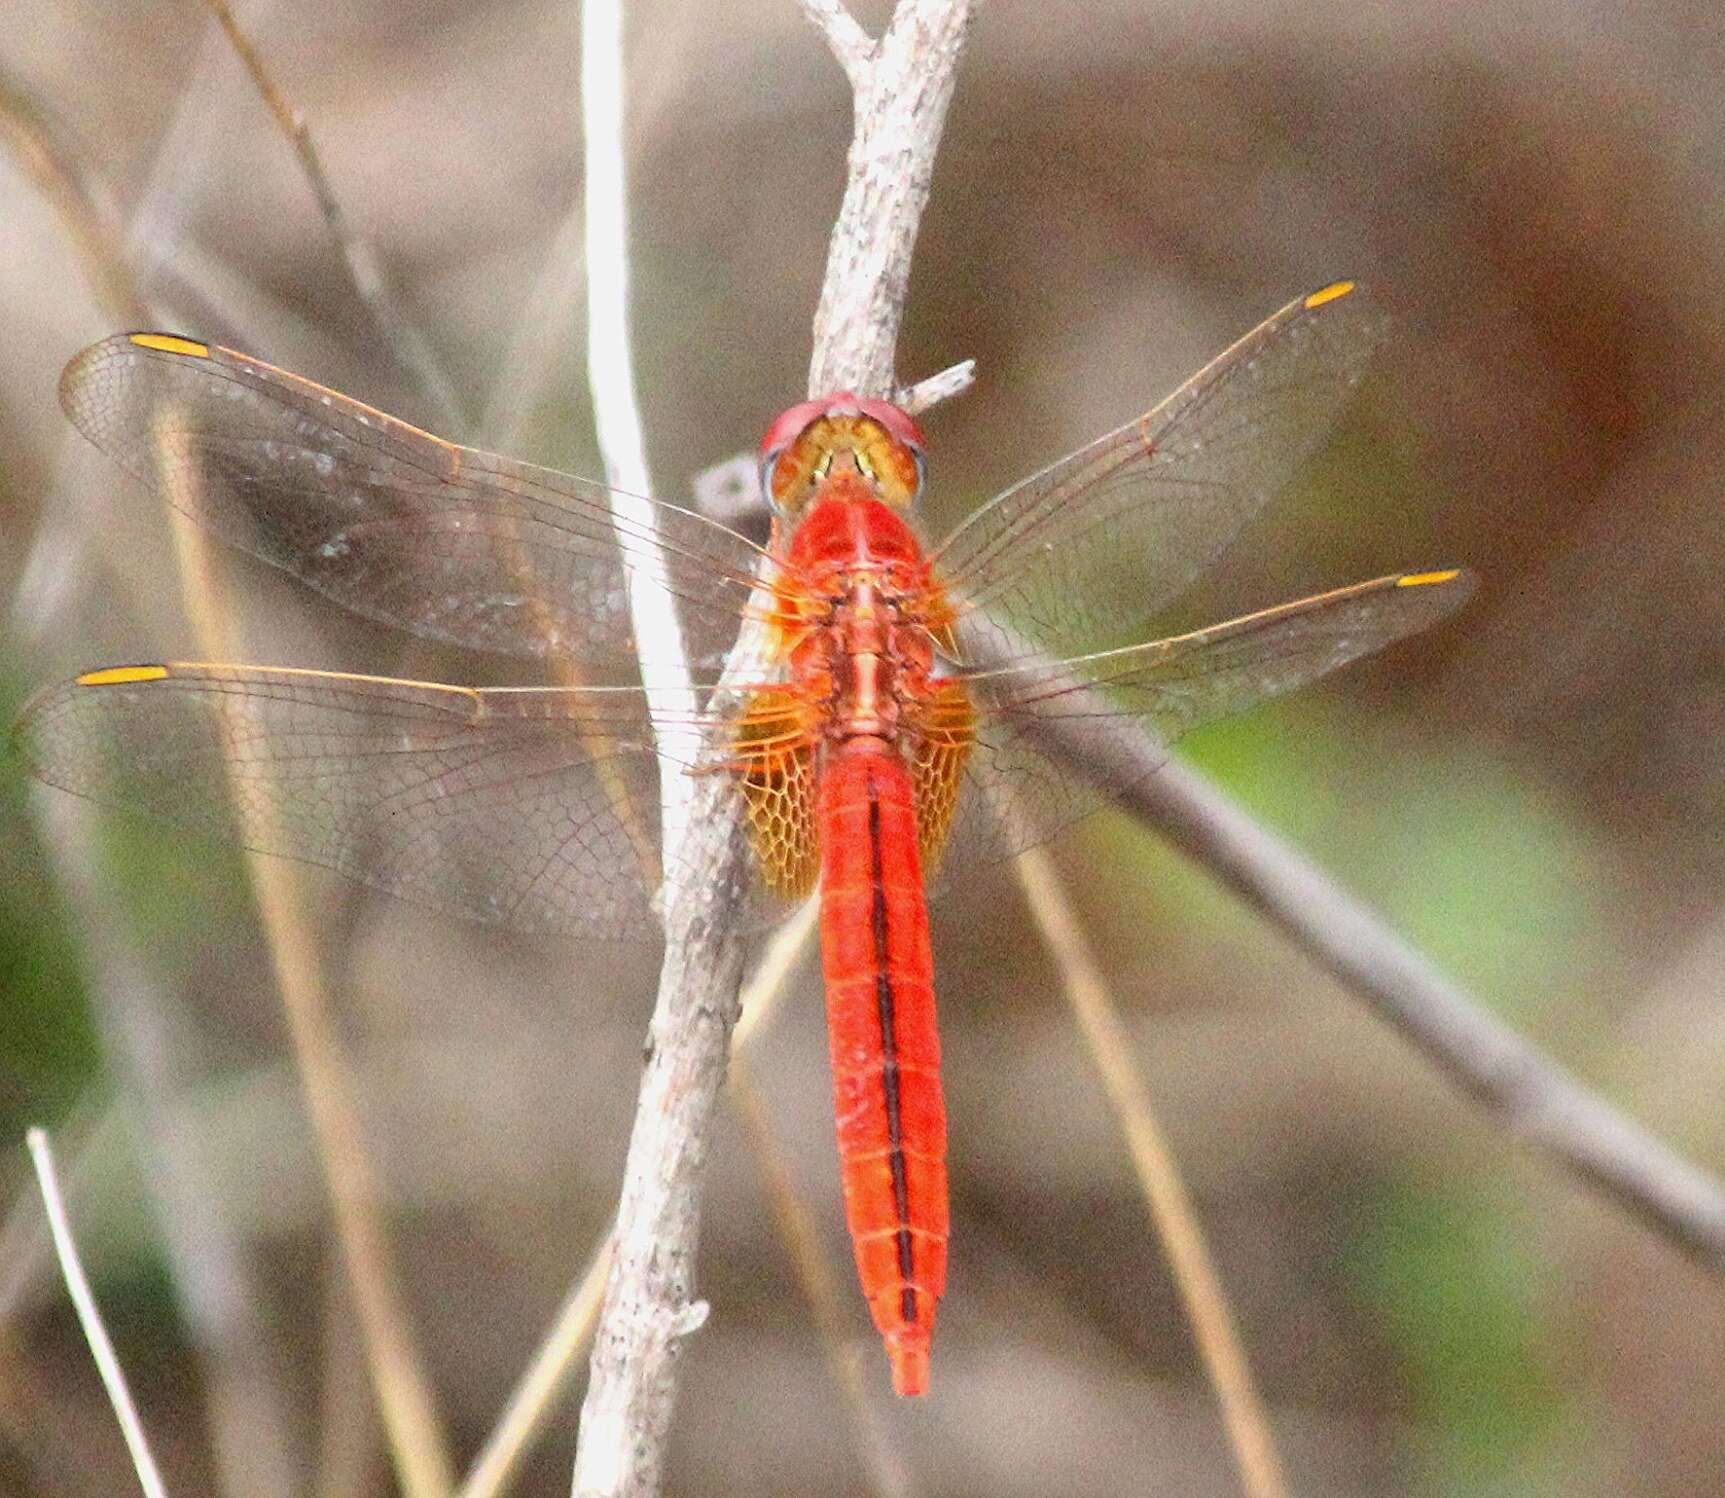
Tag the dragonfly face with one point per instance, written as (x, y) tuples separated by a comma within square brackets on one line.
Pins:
[(897, 722), (880, 441)]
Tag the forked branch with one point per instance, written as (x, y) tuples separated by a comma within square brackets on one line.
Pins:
[(903, 85), (851, 45)]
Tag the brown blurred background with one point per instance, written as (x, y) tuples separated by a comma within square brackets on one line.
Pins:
[(1532, 794)]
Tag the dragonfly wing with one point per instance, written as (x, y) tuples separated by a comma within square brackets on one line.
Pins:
[(392, 523), (535, 808), (1107, 709), (1087, 551)]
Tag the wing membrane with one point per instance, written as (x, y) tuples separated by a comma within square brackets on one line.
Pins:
[(538, 807), (535, 808), (390, 522), (1088, 550), (1022, 789)]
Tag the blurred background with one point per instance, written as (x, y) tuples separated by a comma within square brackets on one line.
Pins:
[(1532, 793)]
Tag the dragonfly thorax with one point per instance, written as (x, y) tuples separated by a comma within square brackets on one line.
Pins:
[(871, 651)]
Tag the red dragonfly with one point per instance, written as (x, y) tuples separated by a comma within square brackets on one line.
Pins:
[(890, 721)]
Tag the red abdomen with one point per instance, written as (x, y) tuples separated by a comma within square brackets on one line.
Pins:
[(885, 1050)]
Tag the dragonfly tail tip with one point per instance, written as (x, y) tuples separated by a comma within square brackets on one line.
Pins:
[(909, 1365)]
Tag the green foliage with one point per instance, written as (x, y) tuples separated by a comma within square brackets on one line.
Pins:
[(175, 890), (177, 887), (1451, 1276), (48, 1051), (1477, 870)]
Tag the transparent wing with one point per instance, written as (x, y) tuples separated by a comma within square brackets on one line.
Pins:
[(391, 522), (1107, 709), (535, 808), (1087, 551)]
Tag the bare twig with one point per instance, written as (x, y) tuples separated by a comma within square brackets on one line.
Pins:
[(901, 100), (534, 1400), (936, 388), (1159, 1179), (402, 336), (90, 1318), (616, 409), (1530, 1094), (648, 1305)]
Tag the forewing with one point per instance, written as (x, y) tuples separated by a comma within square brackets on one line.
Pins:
[(1055, 741), (1090, 549), (533, 808), (392, 523)]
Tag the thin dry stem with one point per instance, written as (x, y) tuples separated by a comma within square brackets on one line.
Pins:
[(213, 1279), (400, 334), (417, 1441), (536, 1397), (617, 409), (1525, 1090), (886, 1473), (766, 986), (90, 1318), (416, 1438), (1159, 1179), (89, 223)]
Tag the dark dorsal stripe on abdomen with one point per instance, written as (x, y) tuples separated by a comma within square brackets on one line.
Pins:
[(889, 1053)]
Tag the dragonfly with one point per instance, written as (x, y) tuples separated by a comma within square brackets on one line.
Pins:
[(871, 715)]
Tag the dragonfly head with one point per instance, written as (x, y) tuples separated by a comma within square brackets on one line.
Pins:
[(818, 439)]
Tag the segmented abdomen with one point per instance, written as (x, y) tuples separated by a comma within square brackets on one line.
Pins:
[(885, 1049)]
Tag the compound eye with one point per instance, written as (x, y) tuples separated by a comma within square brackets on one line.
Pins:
[(769, 461)]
